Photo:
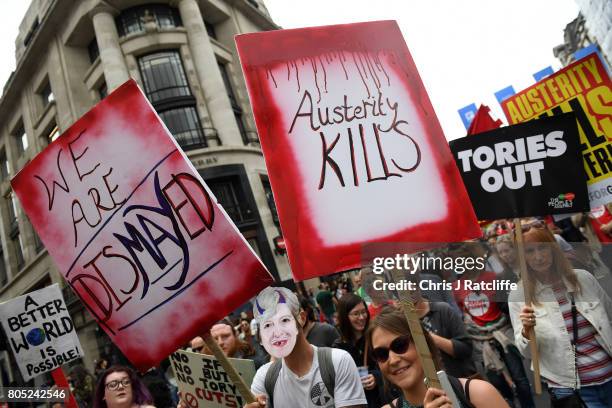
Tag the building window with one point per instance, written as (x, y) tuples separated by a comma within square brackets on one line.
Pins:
[(167, 88), (103, 91), (210, 29), (46, 94), (12, 211), (93, 50), (270, 198), (5, 169), (18, 249), (21, 140), (52, 133), (228, 86), (3, 271), (28, 38), (37, 241), (234, 102), (133, 20), (163, 76), (14, 229), (232, 198), (184, 125)]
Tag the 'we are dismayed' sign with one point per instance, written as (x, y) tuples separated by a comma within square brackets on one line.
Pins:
[(353, 147), (135, 231)]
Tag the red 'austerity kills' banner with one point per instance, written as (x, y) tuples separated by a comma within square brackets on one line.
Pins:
[(134, 230), (353, 147)]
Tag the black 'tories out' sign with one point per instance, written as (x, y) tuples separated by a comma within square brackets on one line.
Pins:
[(529, 169)]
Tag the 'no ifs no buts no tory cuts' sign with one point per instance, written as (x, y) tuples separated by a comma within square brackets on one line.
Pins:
[(135, 231), (353, 147)]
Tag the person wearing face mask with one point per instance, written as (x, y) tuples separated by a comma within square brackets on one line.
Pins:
[(302, 375), (354, 317), (120, 387), (394, 350), (571, 315)]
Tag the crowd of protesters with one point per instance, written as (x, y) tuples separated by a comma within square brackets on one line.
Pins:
[(481, 339)]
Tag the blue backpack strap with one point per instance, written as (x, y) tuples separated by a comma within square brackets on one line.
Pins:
[(326, 366), (270, 380)]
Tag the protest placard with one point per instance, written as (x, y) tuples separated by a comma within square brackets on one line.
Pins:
[(583, 87), (203, 383), (353, 147), (40, 331), (530, 169), (135, 231)]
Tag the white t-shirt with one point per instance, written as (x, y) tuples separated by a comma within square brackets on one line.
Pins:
[(309, 391)]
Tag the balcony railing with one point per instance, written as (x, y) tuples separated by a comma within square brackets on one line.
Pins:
[(252, 137), (171, 92), (196, 138)]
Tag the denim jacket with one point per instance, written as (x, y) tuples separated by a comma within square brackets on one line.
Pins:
[(557, 359)]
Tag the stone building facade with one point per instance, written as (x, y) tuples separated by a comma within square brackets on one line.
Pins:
[(71, 54)]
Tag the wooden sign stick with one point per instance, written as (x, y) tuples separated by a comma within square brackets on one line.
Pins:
[(408, 307), (535, 357), (242, 387)]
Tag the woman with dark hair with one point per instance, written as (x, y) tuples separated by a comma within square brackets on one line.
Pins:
[(353, 318), (120, 387), (392, 347), (571, 316)]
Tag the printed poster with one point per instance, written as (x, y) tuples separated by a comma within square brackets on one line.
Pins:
[(353, 148), (584, 88), (529, 169)]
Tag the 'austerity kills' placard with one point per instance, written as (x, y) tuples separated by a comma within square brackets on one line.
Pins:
[(352, 144)]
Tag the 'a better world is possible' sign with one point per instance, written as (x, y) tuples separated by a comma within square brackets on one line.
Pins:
[(40, 331)]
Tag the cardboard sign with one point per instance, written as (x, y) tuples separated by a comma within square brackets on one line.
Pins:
[(583, 87), (353, 147), (529, 169), (40, 331), (135, 231), (203, 383)]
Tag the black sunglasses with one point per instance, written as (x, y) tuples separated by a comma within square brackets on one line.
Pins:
[(399, 345)]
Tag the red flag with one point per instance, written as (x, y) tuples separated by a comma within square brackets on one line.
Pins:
[(483, 121)]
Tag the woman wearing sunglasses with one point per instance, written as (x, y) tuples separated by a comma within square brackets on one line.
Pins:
[(353, 317), (394, 351), (571, 315), (120, 387)]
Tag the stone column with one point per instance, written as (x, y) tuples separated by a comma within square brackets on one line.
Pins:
[(111, 56), (211, 82)]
